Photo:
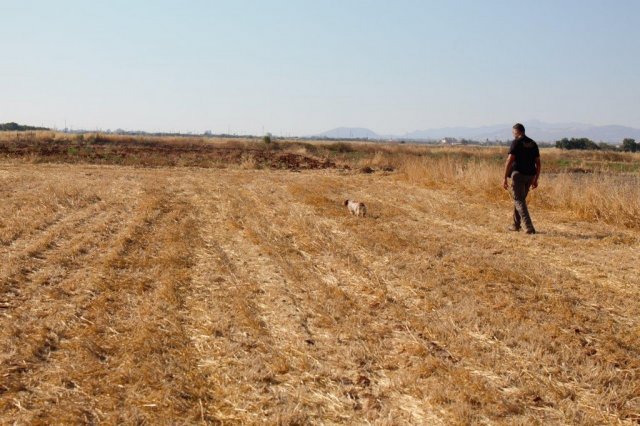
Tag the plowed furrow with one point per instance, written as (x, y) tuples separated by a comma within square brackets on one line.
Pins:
[(476, 284), (133, 361), (25, 261), (245, 323), (43, 314)]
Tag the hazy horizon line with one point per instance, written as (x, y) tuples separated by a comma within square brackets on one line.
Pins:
[(238, 132)]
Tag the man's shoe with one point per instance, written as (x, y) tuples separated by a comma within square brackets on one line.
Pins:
[(531, 231), (514, 228)]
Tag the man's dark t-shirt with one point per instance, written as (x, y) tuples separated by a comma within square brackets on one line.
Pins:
[(526, 151)]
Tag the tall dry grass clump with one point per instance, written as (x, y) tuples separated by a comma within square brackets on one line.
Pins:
[(599, 196), (450, 172)]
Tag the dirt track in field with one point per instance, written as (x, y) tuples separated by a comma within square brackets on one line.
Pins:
[(247, 296)]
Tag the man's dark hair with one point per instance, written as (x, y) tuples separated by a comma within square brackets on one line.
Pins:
[(519, 127)]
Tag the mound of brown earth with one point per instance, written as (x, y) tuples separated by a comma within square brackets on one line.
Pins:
[(295, 161), (149, 153)]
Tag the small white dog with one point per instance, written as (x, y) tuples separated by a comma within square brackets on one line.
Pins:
[(359, 209)]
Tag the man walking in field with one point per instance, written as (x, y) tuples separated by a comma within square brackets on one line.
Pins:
[(523, 166)]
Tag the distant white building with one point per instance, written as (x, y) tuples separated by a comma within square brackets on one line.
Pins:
[(449, 141)]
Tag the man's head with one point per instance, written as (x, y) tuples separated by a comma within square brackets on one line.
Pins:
[(518, 130)]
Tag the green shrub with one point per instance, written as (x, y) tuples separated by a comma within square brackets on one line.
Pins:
[(630, 145), (577, 143)]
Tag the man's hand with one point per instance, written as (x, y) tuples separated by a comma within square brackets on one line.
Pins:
[(534, 184), (508, 169)]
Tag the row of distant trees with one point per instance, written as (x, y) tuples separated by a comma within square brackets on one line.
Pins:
[(15, 127), (628, 145)]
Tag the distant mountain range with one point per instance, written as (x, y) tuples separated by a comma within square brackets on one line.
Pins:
[(537, 130), (350, 133)]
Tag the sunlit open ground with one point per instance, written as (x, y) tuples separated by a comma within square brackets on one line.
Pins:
[(180, 295)]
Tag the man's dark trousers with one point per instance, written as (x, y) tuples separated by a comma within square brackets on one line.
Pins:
[(519, 190)]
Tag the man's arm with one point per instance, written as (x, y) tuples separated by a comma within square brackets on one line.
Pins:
[(507, 170), (534, 184)]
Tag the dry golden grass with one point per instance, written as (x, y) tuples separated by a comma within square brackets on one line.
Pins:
[(602, 196), (182, 295)]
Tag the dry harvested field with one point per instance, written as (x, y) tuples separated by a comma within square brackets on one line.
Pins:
[(240, 295)]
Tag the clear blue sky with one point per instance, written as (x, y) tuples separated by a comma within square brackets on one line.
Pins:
[(305, 66)]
